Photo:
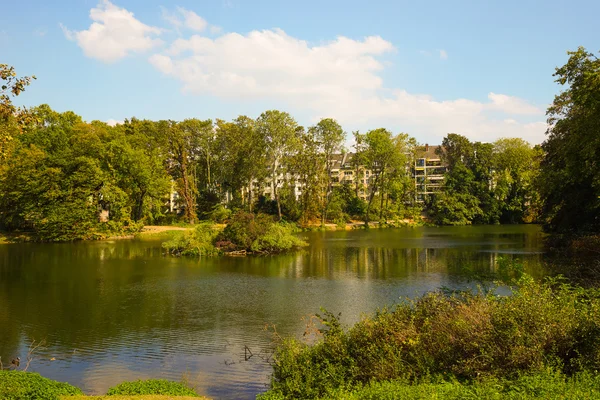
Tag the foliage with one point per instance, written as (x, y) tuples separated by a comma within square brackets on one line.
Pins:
[(220, 214), (279, 237), (12, 119), (152, 386), (542, 385), (542, 326), (18, 385), (197, 242), (259, 233), (570, 173), (487, 183)]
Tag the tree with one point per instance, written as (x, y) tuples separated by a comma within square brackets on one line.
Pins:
[(516, 166), (279, 131), (380, 156), (12, 119), (570, 169), (330, 138), (183, 146)]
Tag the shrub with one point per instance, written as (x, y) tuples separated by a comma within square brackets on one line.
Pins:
[(464, 336), (152, 386), (196, 242), (219, 214), (18, 385), (277, 238)]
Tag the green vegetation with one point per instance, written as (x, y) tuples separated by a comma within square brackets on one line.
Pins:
[(487, 183), (570, 174), (466, 337), (544, 385), (65, 179), (17, 385), (246, 232), (152, 386)]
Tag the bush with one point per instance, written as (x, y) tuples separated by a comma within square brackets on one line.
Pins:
[(260, 233), (17, 385), (152, 386), (219, 214), (196, 242), (278, 238), (464, 337)]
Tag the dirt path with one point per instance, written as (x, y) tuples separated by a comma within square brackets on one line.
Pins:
[(163, 228)]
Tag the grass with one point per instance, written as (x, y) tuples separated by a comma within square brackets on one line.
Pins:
[(134, 397)]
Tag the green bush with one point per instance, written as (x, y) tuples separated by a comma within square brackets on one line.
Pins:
[(151, 386), (18, 385), (219, 214), (462, 336), (196, 242), (278, 238)]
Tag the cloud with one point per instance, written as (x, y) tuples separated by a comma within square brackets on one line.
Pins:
[(113, 122), (182, 17), (114, 34), (338, 79), (512, 105)]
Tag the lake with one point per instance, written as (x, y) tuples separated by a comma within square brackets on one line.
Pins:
[(111, 311)]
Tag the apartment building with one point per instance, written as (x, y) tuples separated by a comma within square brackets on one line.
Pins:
[(428, 172)]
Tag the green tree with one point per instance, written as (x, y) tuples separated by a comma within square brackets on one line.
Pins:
[(381, 155), (12, 119), (516, 167), (330, 138), (279, 131), (570, 170)]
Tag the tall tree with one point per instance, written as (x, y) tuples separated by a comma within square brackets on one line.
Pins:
[(12, 119), (570, 170), (515, 166), (279, 132), (183, 147), (380, 156), (330, 138)]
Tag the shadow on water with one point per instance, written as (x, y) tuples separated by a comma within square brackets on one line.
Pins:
[(112, 311)]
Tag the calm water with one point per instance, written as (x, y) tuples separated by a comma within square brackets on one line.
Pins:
[(119, 310)]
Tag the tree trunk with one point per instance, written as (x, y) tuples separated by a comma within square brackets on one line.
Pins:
[(190, 213)]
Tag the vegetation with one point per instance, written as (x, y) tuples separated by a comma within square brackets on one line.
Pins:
[(246, 232), (152, 386), (570, 170), (549, 327), (544, 385), (65, 179), (18, 385)]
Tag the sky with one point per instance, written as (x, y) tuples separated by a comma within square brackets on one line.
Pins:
[(427, 68)]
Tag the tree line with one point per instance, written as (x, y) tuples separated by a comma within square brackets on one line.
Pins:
[(59, 175)]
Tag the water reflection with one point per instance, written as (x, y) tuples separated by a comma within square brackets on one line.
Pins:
[(119, 310)]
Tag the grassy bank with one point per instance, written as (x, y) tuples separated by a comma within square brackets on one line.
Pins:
[(464, 342), (19, 385)]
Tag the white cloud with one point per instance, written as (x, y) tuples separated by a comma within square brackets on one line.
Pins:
[(182, 17), (113, 122), (114, 34), (512, 105), (338, 79)]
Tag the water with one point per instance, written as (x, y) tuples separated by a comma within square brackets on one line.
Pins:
[(112, 311)]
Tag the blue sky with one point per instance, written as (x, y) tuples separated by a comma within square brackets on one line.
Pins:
[(480, 68)]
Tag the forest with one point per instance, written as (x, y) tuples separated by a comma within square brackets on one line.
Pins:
[(62, 178)]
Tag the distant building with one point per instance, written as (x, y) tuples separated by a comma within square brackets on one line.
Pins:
[(428, 172)]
